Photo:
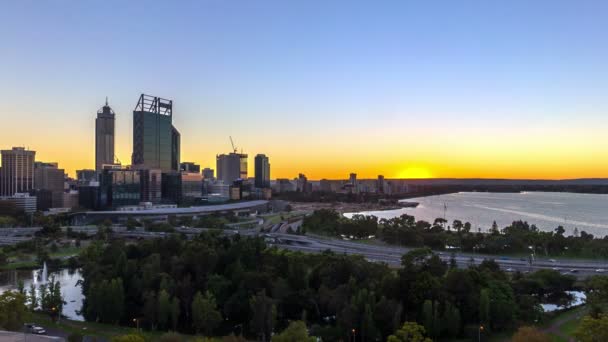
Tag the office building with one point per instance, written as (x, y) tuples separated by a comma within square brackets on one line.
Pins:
[(119, 188), (85, 176), (229, 167), (190, 167), (89, 196), (302, 183), (156, 143), (192, 186), (380, 184), (284, 185), (171, 187), (262, 171), (48, 176), (104, 137), (151, 187), (17, 172), (17, 203), (208, 173), (243, 165), (352, 181), (219, 188)]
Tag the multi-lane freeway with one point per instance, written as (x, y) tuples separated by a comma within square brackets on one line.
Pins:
[(390, 255)]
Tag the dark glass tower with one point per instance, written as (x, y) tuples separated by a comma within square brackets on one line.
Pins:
[(155, 140), (104, 137), (262, 171)]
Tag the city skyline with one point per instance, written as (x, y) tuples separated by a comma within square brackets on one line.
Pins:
[(471, 90)]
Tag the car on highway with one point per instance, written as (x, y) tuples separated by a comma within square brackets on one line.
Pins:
[(35, 329), (574, 270), (599, 270), (555, 268), (510, 269), (552, 260)]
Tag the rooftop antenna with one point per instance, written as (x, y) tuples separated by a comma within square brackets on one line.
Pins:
[(106, 101)]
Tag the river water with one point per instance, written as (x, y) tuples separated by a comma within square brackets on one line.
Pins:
[(547, 210), (70, 290)]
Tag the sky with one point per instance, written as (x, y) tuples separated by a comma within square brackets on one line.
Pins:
[(406, 89)]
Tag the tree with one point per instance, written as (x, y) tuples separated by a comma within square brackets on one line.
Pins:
[(264, 315), (592, 329), (451, 319), (205, 316), (33, 298), (431, 321), (484, 307), (530, 334), (295, 332), (164, 308), (13, 311), (174, 312), (409, 332)]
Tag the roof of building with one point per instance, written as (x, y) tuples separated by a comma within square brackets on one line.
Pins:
[(183, 211)]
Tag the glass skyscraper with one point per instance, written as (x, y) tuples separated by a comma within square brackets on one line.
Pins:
[(262, 171), (156, 143)]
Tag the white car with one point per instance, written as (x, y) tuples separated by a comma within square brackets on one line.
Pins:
[(599, 270), (35, 329)]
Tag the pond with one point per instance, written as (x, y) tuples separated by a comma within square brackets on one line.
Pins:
[(578, 298), (68, 279)]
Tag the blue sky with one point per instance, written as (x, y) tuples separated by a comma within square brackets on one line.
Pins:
[(377, 84)]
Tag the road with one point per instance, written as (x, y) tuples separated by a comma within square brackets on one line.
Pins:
[(390, 255)]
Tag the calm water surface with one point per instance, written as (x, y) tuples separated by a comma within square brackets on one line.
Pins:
[(547, 210), (72, 293)]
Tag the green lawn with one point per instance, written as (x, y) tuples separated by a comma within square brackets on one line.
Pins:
[(83, 328)]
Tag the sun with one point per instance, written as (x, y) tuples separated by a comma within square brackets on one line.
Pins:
[(415, 172)]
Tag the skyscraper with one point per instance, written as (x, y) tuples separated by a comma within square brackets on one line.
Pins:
[(17, 173), (104, 137), (229, 167), (156, 143), (262, 171)]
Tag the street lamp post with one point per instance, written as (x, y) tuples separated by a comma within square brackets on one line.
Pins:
[(479, 334), (136, 321), (354, 335)]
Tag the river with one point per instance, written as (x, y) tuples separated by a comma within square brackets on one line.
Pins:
[(547, 210)]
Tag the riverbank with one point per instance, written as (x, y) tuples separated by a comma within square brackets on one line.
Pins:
[(343, 207)]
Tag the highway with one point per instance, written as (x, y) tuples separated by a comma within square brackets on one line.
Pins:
[(390, 255)]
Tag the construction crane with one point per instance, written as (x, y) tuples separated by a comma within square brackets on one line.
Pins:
[(234, 148)]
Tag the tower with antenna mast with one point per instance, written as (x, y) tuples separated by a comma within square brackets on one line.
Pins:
[(104, 136)]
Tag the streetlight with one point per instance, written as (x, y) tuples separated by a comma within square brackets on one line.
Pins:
[(136, 321), (479, 335), (354, 335)]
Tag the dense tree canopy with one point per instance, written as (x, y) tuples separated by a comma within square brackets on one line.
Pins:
[(220, 285)]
